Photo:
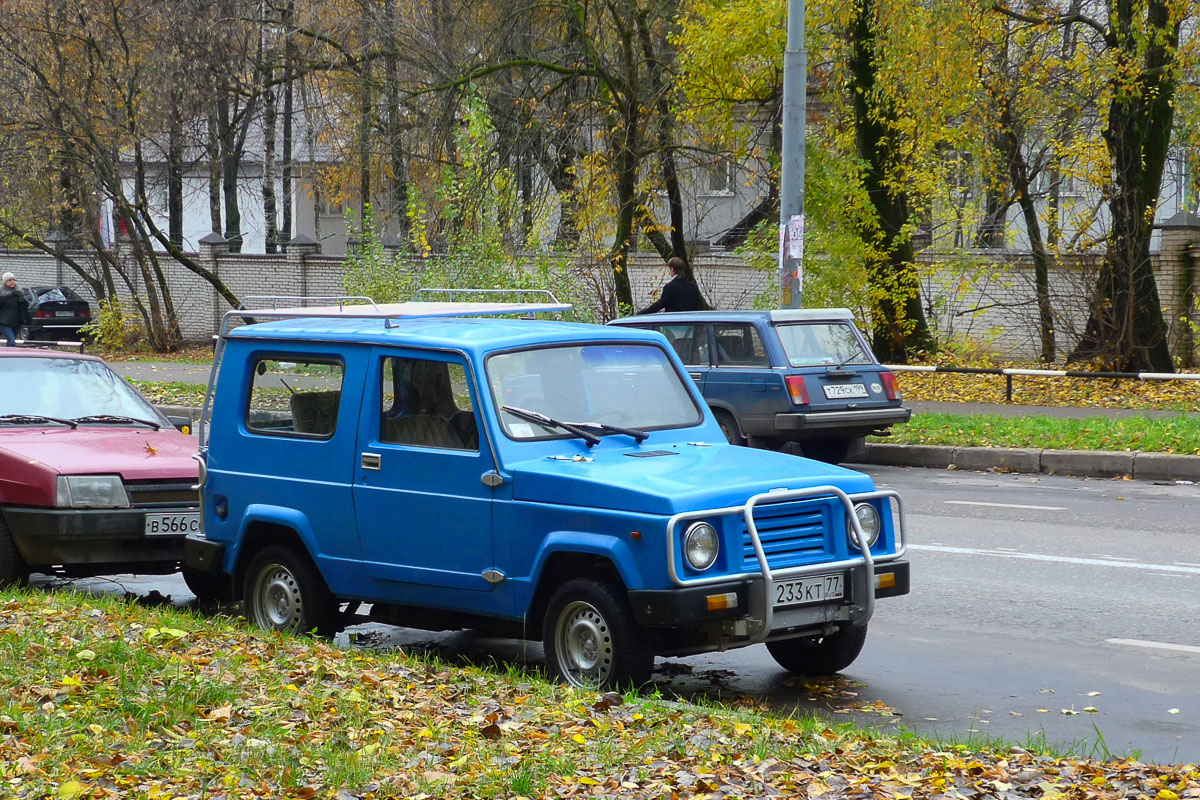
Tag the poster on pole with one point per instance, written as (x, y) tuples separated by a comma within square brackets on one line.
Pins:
[(795, 237)]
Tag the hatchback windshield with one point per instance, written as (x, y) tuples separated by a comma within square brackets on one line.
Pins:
[(628, 385), (813, 343), (67, 388)]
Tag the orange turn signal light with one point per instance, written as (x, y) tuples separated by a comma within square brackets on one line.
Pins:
[(885, 580), (720, 602)]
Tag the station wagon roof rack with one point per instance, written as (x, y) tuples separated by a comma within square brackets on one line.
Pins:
[(809, 314)]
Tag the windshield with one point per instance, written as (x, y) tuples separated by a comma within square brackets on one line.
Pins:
[(629, 385), (68, 388), (813, 343)]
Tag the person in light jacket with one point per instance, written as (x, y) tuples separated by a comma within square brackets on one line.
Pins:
[(14, 309), (680, 293)]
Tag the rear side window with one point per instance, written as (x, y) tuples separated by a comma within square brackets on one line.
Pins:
[(295, 397), (739, 345), (689, 341), (427, 403)]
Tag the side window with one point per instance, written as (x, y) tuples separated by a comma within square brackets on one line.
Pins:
[(689, 341), (295, 398), (427, 403), (739, 345)]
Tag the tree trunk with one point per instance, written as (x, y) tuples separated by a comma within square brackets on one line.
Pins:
[(214, 176), (270, 213), (285, 231), (899, 321)]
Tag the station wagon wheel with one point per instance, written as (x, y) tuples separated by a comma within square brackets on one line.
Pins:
[(284, 592), (591, 639), (729, 427), (13, 570), (819, 655)]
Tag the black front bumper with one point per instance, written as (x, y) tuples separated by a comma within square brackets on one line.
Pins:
[(81, 542), (685, 606)]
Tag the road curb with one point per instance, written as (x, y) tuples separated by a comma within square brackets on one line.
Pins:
[(1095, 464)]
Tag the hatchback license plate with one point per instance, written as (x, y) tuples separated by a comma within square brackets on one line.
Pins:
[(839, 390), (813, 589), (172, 524)]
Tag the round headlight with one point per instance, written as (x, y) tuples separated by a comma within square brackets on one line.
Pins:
[(869, 521), (700, 545)]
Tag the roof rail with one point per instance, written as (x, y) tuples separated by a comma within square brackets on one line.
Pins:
[(471, 295), (275, 299)]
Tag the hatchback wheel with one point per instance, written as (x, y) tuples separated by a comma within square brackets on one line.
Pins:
[(208, 587), (13, 570), (284, 592), (591, 638)]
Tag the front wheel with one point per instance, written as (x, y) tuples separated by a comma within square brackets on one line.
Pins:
[(207, 586), (284, 592), (819, 655), (13, 570), (591, 638)]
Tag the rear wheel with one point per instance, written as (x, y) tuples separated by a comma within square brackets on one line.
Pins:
[(831, 451), (13, 570), (729, 427), (284, 592), (819, 655), (207, 586), (591, 638)]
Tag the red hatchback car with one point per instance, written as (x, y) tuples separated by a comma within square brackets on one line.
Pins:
[(93, 479)]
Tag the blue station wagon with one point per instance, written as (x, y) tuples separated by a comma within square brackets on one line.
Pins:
[(440, 466), (775, 377)]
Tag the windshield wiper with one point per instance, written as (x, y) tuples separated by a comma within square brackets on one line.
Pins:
[(117, 419), (638, 436), (22, 419), (541, 419)]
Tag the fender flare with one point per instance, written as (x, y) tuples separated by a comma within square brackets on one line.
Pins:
[(285, 517), (598, 544)]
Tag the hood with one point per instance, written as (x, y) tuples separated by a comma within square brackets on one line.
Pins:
[(684, 478), (134, 453)]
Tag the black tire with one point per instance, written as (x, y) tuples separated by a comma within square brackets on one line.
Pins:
[(729, 427), (208, 587), (13, 569), (819, 655), (591, 638), (831, 451), (284, 592)]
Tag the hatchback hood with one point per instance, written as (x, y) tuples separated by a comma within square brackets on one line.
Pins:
[(683, 478), (133, 453)]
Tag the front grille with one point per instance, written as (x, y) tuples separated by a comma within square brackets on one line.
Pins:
[(162, 495), (792, 533)]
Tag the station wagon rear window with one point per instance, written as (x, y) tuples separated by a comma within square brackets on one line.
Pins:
[(629, 385), (822, 343), (295, 397)]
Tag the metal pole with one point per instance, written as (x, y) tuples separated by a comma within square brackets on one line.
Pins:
[(791, 181)]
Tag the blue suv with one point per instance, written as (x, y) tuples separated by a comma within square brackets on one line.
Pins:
[(774, 377), (431, 466)]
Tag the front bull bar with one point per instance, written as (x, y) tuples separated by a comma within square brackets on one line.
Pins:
[(767, 611)]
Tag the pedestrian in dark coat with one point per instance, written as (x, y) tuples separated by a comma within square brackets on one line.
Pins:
[(14, 309), (680, 293)]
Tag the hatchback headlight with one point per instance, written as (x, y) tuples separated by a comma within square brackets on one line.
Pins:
[(700, 545), (869, 521), (91, 491)]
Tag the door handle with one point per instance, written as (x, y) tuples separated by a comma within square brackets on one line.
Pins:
[(696, 375), (372, 461)]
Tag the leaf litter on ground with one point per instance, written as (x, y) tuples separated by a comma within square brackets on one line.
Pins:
[(173, 705)]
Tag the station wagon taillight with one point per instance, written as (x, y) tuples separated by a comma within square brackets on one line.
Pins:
[(889, 385), (797, 389)]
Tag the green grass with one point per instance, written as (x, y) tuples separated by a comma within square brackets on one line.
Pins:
[(1178, 434), (104, 698)]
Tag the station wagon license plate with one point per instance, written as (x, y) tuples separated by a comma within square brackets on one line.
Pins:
[(839, 390), (812, 589), (172, 524)]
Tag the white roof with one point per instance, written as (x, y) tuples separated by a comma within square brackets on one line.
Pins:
[(396, 310), (809, 314)]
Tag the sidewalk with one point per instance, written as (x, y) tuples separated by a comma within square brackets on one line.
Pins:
[(1096, 464)]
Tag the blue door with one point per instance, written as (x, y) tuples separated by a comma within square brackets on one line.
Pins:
[(742, 379), (424, 513), (690, 341)]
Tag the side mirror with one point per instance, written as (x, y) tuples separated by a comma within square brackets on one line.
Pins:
[(182, 424)]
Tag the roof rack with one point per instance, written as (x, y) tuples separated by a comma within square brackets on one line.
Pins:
[(268, 307)]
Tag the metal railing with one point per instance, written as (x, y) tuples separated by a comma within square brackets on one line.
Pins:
[(1008, 374)]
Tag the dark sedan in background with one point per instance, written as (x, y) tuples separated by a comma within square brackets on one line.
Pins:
[(55, 313)]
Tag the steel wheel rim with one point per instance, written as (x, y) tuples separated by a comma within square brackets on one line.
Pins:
[(277, 598), (583, 645)]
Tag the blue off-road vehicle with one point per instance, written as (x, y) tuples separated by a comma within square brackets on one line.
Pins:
[(445, 466)]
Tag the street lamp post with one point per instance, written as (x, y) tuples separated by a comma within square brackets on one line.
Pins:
[(791, 182)]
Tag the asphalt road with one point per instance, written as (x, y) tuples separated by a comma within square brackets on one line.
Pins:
[(1044, 608)]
